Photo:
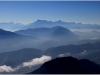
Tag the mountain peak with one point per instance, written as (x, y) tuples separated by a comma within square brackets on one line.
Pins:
[(68, 65), (59, 21), (1, 29), (41, 20), (59, 28)]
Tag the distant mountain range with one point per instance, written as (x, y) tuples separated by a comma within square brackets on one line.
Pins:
[(94, 34), (68, 65), (54, 39), (41, 38), (8, 34), (10, 26), (57, 32), (44, 23), (12, 41)]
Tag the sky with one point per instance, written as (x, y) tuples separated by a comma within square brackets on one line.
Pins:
[(69, 11)]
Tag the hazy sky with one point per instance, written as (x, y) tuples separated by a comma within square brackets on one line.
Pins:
[(70, 11)]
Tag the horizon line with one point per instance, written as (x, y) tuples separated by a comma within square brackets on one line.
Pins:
[(49, 21)]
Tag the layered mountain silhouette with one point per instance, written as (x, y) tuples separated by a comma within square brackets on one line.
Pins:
[(44, 23), (73, 49), (12, 41), (68, 65), (53, 39), (10, 26), (92, 52), (17, 57), (35, 32), (94, 34), (8, 34), (59, 32), (89, 51), (54, 32)]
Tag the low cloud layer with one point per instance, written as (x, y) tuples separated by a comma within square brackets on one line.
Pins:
[(5, 68), (37, 61), (33, 62)]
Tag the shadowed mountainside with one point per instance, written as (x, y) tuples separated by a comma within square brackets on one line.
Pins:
[(11, 35), (68, 65), (72, 49), (10, 41), (15, 58)]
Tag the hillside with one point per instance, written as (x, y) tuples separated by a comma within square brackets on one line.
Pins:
[(68, 65)]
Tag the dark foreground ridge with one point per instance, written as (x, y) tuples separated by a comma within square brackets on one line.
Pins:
[(68, 65)]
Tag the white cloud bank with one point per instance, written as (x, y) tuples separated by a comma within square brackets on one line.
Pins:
[(33, 62), (37, 61), (5, 68)]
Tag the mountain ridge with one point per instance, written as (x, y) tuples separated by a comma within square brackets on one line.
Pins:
[(68, 65), (56, 30)]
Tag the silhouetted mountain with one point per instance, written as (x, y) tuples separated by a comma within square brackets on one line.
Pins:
[(51, 37), (12, 41), (15, 58), (44, 23), (35, 31), (10, 26), (54, 32), (72, 25), (7, 34), (68, 65), (61, 32)]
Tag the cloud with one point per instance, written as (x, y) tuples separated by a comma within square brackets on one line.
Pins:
[(33, 62), (37, 61), (63, 55), (81, 30), (84, 52), (5, 68)]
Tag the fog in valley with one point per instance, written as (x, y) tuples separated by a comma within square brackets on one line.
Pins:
[(35, 33)]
